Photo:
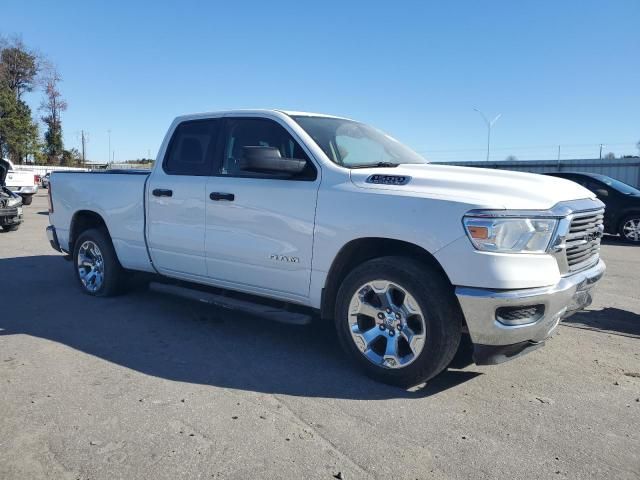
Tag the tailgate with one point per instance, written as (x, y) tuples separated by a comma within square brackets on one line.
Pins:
[(20, 179)]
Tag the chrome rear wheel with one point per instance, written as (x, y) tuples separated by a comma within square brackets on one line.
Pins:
[(90, 266)]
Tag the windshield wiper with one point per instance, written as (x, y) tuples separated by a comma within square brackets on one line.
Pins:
[(378, 164)]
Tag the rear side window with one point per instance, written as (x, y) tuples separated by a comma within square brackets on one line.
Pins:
[(192, 148)]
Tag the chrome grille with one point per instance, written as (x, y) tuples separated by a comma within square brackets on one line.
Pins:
[(583, 239)]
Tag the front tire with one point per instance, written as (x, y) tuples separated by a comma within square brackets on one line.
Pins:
[(10, 228), (97, 268), (398, 319)]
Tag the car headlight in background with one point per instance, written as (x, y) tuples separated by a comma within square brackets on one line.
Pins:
[(14, 202), (510, 234)]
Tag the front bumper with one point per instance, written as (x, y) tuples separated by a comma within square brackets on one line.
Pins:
[(10, 216), (495, 341)]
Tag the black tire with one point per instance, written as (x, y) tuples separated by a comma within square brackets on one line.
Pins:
[(27, 199), (10, 228), (441, 313), (621, 228), (114, 276)]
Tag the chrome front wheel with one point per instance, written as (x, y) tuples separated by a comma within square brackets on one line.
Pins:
[(90, 265), (386, 324), (631, 229)]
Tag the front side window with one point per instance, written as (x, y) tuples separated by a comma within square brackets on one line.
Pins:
[(192, 148), (356, 145), (244, 134)]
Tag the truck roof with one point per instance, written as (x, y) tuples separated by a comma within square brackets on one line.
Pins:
[(255, 111)]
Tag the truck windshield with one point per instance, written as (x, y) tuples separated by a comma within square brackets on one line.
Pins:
[(356, 145)]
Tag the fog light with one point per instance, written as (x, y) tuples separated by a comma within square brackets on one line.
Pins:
[(519, 315)]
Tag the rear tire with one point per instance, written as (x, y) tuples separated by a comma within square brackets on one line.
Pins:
[(629, 229), (27, 199), (96, 265), (421, 318)]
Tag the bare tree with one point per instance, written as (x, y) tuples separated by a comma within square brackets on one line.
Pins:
[(52, 106)]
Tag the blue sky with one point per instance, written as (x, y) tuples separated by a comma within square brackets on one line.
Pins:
[(560, 72)]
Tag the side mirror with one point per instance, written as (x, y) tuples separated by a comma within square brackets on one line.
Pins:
[(269, 160), (601, 192)]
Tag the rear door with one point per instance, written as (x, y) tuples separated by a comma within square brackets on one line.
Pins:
[(259, 234), (176, 199)]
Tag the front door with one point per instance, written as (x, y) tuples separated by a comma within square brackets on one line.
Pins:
[(259, 233)]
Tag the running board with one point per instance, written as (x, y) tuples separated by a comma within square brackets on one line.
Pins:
[(266, 311)]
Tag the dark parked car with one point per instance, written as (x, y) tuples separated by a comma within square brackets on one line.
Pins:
[(622, 201), (10, 203)]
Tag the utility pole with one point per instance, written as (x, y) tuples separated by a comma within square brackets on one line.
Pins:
[(489, 125), (84, 158)]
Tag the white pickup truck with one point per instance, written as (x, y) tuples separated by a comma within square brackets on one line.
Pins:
[(298, 214), (23, 183)]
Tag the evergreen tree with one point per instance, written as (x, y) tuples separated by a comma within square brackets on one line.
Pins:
[(18, 131)]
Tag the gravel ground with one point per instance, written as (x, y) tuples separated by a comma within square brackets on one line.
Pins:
[(150, 386)]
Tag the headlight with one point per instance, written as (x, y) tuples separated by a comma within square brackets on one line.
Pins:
[(510, 235)]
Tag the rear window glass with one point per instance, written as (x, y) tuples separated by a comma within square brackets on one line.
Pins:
[(192, 148)]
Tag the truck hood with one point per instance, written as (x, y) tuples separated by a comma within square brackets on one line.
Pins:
[(481, 187)]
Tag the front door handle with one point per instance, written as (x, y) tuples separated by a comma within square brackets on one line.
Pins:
[(222, 196), (162, 192)]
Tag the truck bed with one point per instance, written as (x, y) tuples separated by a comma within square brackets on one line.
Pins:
[(117, 196)]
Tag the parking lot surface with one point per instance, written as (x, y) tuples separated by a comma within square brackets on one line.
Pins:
[(150, 386)]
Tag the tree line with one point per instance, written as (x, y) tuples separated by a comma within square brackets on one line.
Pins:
[(23, 70)]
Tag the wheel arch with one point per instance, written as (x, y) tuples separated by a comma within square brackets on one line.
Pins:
[(83, 220), (361, 250)]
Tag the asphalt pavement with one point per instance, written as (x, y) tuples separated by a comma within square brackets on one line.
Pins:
[(150, 386)]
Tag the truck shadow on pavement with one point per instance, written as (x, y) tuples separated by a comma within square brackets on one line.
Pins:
[(185, 341), (609, 320)]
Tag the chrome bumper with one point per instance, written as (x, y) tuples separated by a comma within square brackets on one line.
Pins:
[(24, 190), (479, 307)]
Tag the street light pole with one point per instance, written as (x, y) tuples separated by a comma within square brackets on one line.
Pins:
[(489, 125), (109, 156)]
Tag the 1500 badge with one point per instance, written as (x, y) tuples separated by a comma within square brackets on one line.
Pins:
[(284, 258)]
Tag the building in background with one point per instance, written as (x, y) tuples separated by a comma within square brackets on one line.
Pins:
[(625, 169)]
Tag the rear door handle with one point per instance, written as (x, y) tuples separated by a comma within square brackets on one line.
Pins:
[(222, 196), (162, 192)]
